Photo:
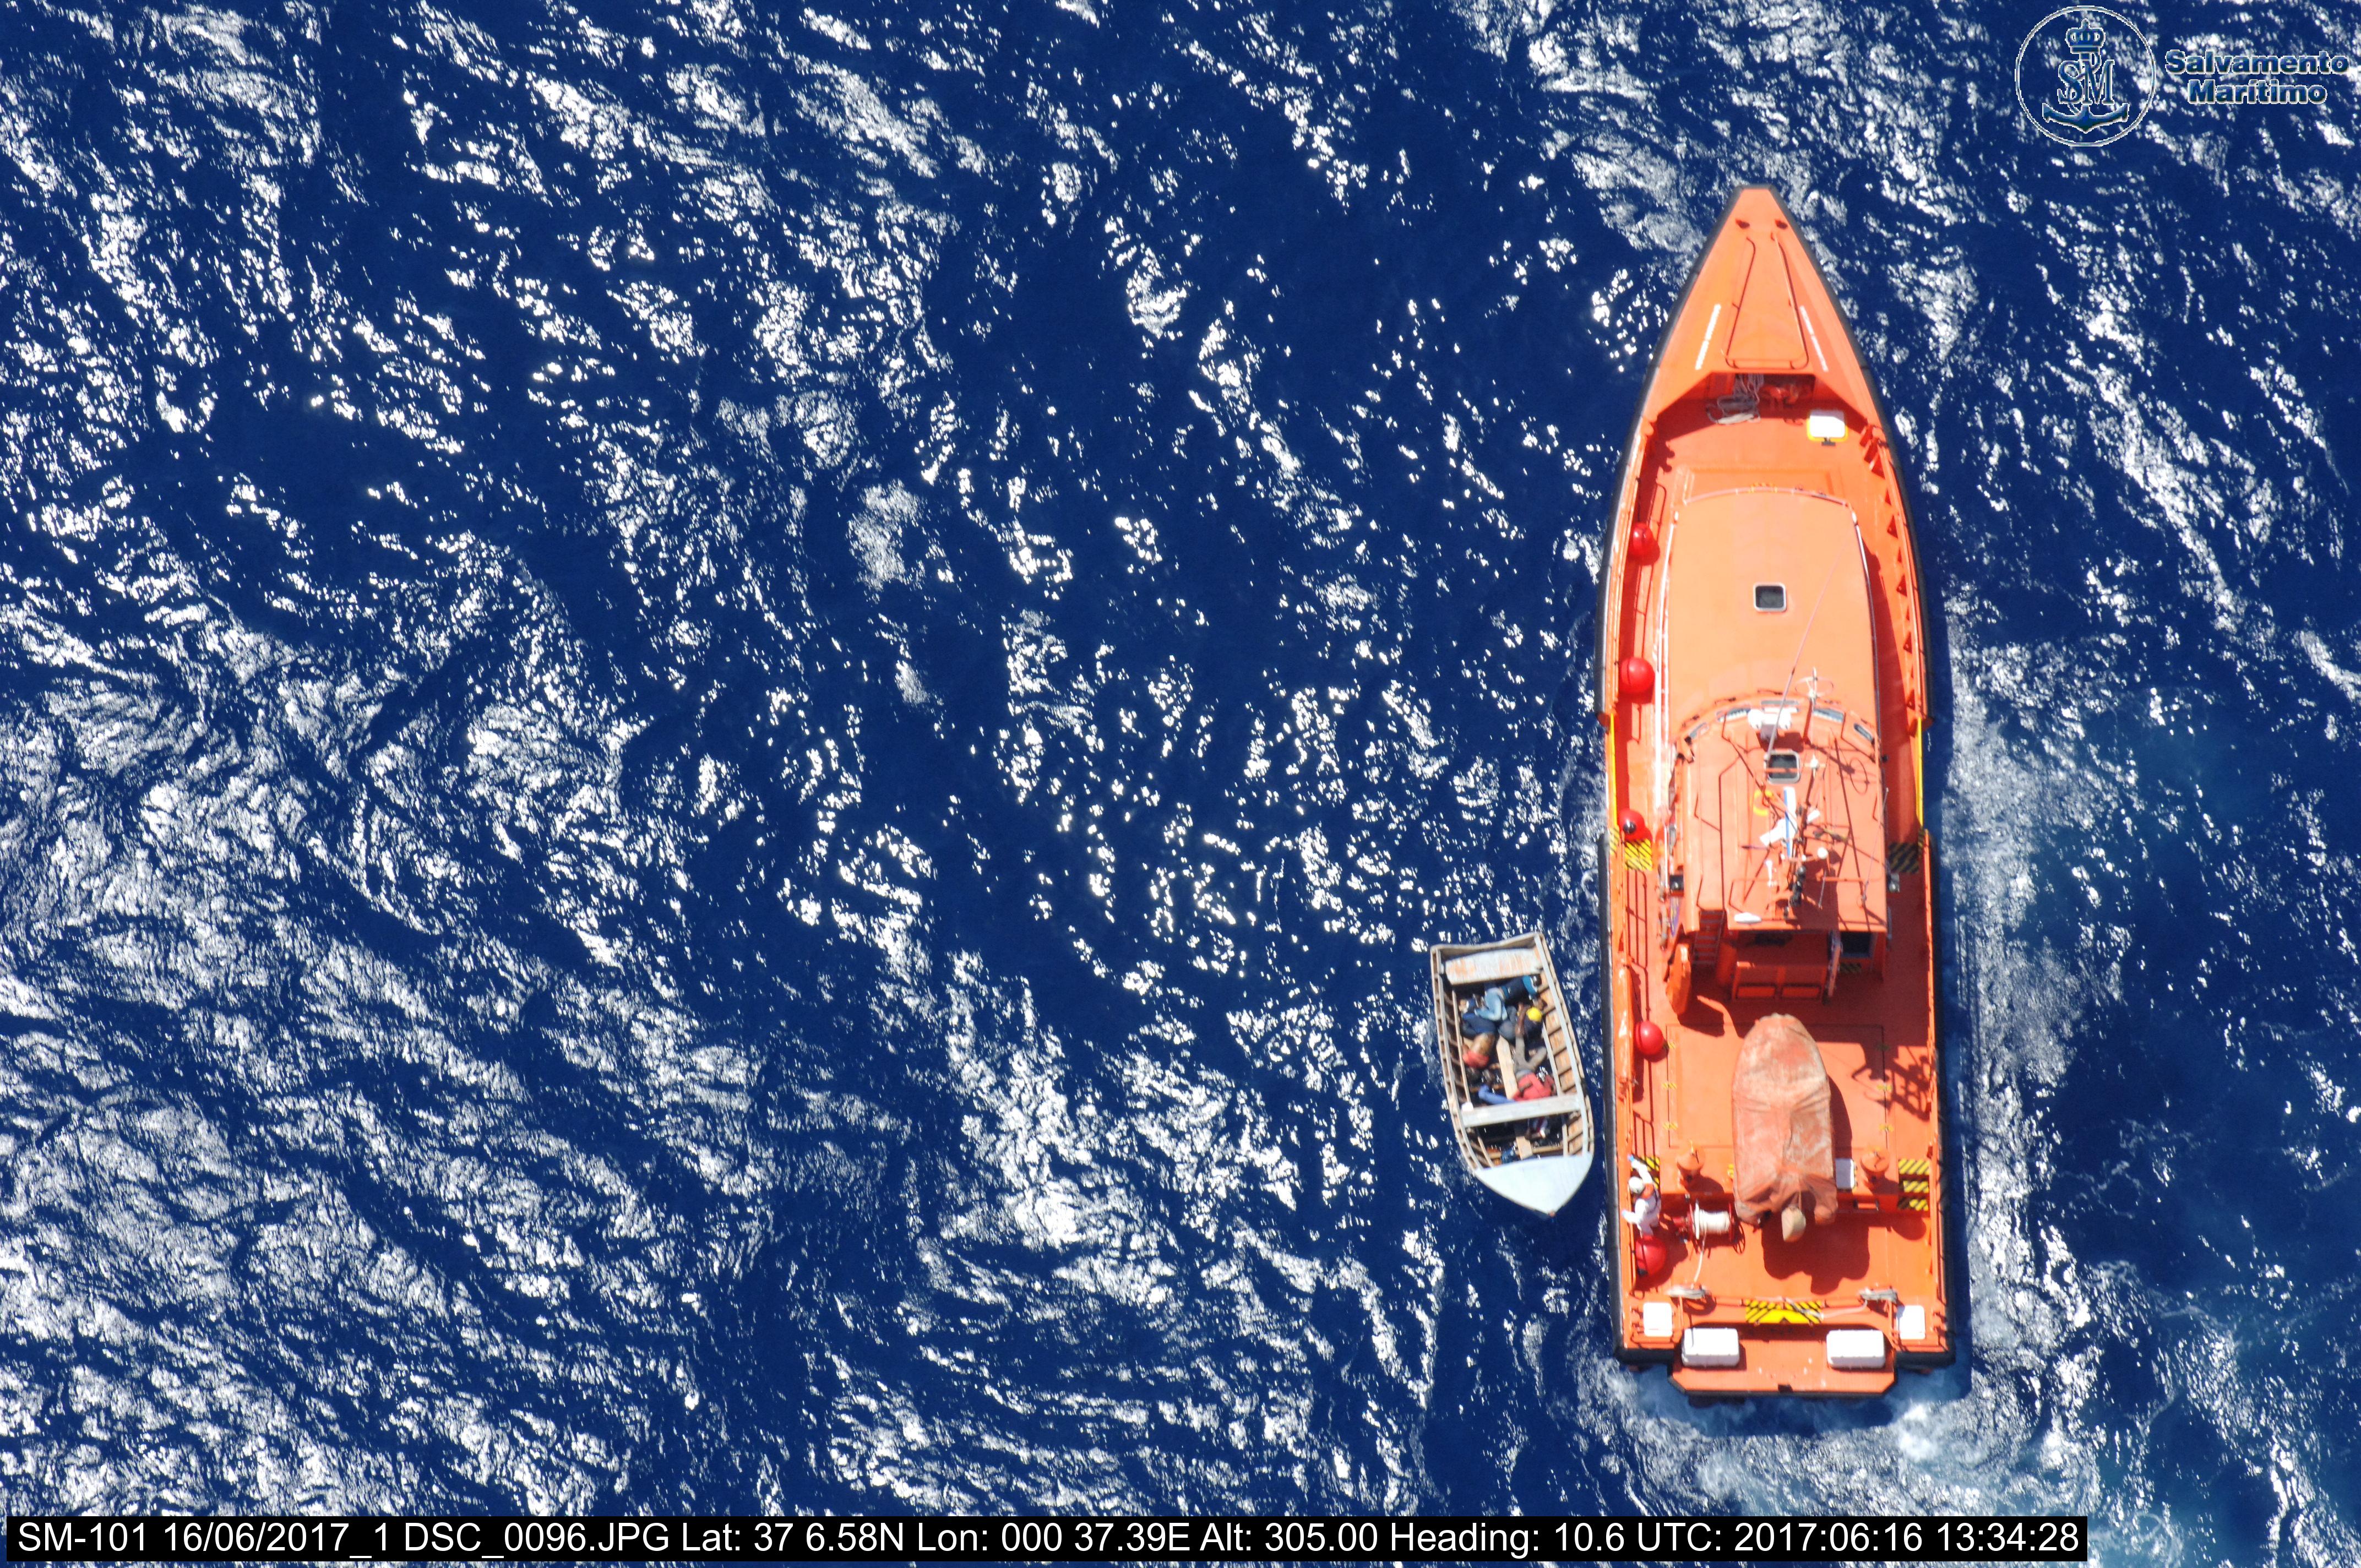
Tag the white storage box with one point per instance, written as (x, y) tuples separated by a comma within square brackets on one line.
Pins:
[(1709, 1348), (1655, 1319), (1857, 1350), (1912, 1326)]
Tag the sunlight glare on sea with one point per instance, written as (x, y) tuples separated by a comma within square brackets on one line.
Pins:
[(730, 733)]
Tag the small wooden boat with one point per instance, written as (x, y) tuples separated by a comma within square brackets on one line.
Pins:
[(1767, 881), (1533, 1151)]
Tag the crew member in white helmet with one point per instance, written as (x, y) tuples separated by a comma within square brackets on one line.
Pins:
[(1647, 1203)]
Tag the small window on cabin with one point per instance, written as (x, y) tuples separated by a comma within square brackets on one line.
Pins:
[(1858, 943), (1782, 767), (1769, 596)]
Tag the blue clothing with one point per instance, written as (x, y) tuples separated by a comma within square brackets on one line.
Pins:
[(1486, 1016), (1501, 999)]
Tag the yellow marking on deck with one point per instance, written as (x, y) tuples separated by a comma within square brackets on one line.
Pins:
[(1639, 854), (1783, 1309)]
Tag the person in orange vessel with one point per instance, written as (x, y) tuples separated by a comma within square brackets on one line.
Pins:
[(1647, 1207)]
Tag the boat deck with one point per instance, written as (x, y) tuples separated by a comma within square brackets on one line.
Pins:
[(1881, 1063)]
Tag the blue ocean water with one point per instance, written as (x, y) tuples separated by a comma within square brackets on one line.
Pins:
[(728, 730)]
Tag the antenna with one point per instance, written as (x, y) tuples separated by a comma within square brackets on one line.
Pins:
[(1800, 643), (1770, 733)]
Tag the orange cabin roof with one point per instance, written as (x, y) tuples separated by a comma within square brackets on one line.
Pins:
[(1768, 635), (1724, 543)]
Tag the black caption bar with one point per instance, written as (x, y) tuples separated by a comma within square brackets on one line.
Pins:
[(369, 1538)]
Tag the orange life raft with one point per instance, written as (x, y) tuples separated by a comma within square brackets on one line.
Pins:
[(1767, 875)]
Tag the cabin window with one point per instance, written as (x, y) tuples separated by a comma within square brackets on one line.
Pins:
[(1857, 944), (1769, 596), (1782, 767)]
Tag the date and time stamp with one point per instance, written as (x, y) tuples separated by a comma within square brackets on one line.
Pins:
[(1042, 1538)]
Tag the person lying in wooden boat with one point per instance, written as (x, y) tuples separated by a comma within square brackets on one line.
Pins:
[(1512, 1081), (1485, 1017)]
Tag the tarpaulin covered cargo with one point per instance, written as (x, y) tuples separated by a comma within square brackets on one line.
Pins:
[(1779, 1110)]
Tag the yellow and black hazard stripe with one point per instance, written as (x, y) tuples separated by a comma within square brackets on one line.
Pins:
[(1901, 859), (1916, 1177), (1640, 854), (1783, 1309)]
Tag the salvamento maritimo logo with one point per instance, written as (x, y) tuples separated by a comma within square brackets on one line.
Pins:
[(2085, 76)]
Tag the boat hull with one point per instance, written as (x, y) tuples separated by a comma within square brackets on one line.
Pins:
[(1546, 1181), (1759, 462), (1545, 1186)]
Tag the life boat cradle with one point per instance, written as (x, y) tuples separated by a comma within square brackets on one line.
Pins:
[(1764, 688)]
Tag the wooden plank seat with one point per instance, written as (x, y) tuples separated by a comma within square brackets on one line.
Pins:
[(1520, 1111)]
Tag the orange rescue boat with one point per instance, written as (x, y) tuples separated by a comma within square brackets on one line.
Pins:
[(1767, 880)]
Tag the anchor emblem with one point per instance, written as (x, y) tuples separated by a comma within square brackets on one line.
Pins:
[(2085, 100), (2102, 79)]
